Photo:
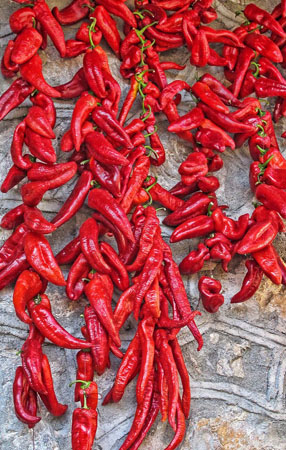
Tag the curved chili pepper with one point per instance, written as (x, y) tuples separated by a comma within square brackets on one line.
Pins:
[(184, 375), (258, 15), (73, 13), (194, 261), (140, 415), (264, 46), (49, 327), (230, 228), (98, 298), (40, 147), (31, 71), (250, 284), (99, 147), (35, 221), (227, 123), (204, 93), (99, 339), (118, 273), (70, 252), (27, 286), (104, 203), (257, 237), (50, 400), (75, 201), (178, 291), (108, 27), (75, 87), (272, 198), (12, 269), (200, 49), (50, 25), (168, 363), (20, 395), (75, 281), (267, 259), (13, 177), (13, 218), (90, 246), (32, 356), (84, 106), (17, 147), (188, 121), (149, 272), (146, 240), (145, 331), (194, 227), (39, 254), (209, 289)]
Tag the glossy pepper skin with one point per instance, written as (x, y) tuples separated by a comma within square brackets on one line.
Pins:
[(39, 255), (41, 315), (84, 426), (194, 261), (209, 289), (267, 259), (250, 284), (20, 397), (28, 285)]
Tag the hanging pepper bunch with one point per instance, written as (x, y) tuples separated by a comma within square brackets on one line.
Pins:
[(112, 161)]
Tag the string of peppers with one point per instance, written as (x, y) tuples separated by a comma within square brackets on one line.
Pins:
[(113, 158)]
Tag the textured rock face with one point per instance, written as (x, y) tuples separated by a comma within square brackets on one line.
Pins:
[(238, 377)]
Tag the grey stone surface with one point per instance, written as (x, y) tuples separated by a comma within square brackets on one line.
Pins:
[(238, 378)]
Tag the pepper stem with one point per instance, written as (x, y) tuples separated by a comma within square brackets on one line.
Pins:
[(84, 384)]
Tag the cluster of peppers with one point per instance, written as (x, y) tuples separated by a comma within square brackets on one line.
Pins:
[(113, 161)]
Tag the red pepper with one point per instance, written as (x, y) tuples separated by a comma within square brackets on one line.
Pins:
[(194, 261), (196, 205), (209, 289), (108, 27), (73, 13), (26, 45), (17, 147), (100, 148), (251, 282), (231, 229), (99, 299), (12, 269), (20, 396), (200, 50), (50, 25), (28, 285), (13, 177), (194, 227), (149, 272), (13, 218), (75, 281), (140, 415), (40, 147), (188, 121), (20, 19), (84, 106), (50, 400), (267, 259), (105, 120), (178, 291), (194, 167), (275, 177), (35, 221), (272, 198), (39, 255), (225, 121), (31, 72), (84, 426), (255, 14), (104, 203), (75, 87), (99, 339), (41, 315), (209, 125), (32, 355), (84, 376)]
